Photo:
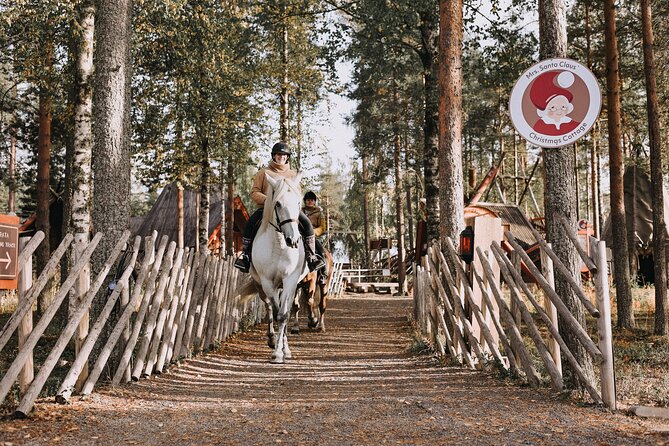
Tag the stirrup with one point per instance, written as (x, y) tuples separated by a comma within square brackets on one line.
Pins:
[(315, 262), (243, 262)]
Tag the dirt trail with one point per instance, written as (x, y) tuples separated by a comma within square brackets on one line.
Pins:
[(356, 384)]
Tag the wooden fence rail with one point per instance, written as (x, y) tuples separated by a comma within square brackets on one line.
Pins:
[(447, 313), (169, 304)]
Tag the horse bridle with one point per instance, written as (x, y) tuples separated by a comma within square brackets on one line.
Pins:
[(280, 223)]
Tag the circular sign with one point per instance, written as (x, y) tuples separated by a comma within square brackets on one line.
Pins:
[(555, 103)]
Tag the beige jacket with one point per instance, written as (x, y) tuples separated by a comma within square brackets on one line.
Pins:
[(316, 218), (260, 184)]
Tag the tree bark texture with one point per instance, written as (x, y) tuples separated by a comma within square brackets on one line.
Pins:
[(560, 193), (429, 30), (618, 219), (399, 211), (111, 131), (657, 181), (283, 100), (43, 252), (451, 182), (11, 169), (203, 215)]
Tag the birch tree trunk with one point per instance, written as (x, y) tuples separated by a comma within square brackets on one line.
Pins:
[(111, 131), (560, 191), (451, 185), (657, 181), (79, 154), (429, 29), (618, 219)]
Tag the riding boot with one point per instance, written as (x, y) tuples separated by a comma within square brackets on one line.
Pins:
[(323, 276), (314, 261), (243, 262)]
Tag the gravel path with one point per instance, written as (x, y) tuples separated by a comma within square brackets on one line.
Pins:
[(356, 384)]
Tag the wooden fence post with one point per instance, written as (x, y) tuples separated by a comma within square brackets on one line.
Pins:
[(26, 326), (598, 250), (549, 273)]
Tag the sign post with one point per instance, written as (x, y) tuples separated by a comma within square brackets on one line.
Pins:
[(9, 252)]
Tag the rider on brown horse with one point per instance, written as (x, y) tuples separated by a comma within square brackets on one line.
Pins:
[(277, 168), (317, 219)]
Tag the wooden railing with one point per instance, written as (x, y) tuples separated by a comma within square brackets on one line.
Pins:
[(180, 302), (478, 331)]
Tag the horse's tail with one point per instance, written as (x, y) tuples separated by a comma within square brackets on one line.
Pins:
[(246, 290)]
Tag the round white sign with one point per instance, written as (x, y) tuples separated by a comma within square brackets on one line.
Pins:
[(555, 102)]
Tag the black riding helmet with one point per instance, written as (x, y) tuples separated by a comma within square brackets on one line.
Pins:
[(281, 147), (310, 196)]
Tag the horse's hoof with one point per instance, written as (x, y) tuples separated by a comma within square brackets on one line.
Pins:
[(295, 331), (288, 355), (321, 329), (276, 360)]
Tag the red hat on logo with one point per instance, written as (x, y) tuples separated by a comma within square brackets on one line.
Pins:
[(549, 85)]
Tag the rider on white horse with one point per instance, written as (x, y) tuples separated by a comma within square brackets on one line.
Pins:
[(317, 219), (277, 168)]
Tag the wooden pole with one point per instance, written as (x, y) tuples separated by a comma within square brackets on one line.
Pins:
[(14, 370), (156, 303), (139, 318), (68, 384), (517, 342), (26, 304), (549, 273), (168, 302), (478, 314), (135, 302), (177, 305), (608, 383), (26, 325), (450, 312), (174, 351), (515, 276), (81, 310), (562, 269), (45, 370), (562, 309), (507, 271)]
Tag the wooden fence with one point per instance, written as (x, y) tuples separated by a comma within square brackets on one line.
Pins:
[(474, 333), (171, 303)]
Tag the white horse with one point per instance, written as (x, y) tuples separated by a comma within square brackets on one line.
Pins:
[(278, 259)]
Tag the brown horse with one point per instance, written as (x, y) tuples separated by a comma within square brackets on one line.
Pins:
[(313, 297)]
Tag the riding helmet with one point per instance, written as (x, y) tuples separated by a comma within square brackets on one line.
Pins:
[(310, 196), (281, 147)]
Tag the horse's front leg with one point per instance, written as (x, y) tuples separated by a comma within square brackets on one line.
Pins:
[(295, 313), (286, 298), (322, 306), (269, 309)]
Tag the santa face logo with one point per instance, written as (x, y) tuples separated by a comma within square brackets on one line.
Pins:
[(555, 103)]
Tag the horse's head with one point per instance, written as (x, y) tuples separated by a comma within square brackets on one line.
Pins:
[(286, 197)]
